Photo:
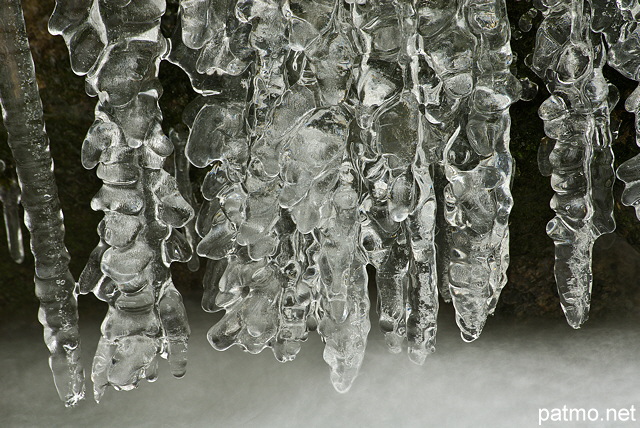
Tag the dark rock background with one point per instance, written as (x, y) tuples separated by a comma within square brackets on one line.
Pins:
[(531, 289)]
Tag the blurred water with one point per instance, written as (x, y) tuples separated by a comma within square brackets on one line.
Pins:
[(500, 380)]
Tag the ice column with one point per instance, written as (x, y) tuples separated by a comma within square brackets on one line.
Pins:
[(29, 143), (576, 116), (467, 104), (118, 46)]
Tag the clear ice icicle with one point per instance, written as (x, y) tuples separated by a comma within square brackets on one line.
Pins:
[(118, 46), (576, 116), (10, 200), (29, 143), (399, 233), (467, 97), (181, 173), (618, 23), (275, 153)]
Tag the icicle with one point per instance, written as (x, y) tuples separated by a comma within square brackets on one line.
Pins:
[(618, 22), (249, 220), (218, 130), (577, 117), (467, 103), (118, 46), (343, 303), (400, 232), (10, 200), (181, 167), (262, 222), (321, 187), (29, 143), (241, 225)]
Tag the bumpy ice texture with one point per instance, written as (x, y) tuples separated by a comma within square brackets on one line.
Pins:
[(468, 89), (29, 143), (330, 128), (117, 45), (570, 57), (280, 222)]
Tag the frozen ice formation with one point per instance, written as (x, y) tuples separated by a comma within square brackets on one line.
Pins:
[(29, 143), (617, 21), (117, 45), (280, 223), (400, 207), (570, 57), (324, 124), (468, 100), (10, 200), (337, 134), (181, 167)]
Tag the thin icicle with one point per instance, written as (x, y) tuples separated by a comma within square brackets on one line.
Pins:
[(29, 143), (181, 167), (10, 200)]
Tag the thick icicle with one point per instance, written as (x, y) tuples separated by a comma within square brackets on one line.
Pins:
[(29, 143), (618, 22), (218, 134), (274, 175), (248, 225), (118, 46), (400, 232), (467, 102), (241, 222), (321, 188), (576, 116)]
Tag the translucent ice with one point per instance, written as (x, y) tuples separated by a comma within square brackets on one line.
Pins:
[(29, 143), (10, 200), (468, 94), (336, 134), (580, 162), (618, 22), (118, 46), (399, 233)]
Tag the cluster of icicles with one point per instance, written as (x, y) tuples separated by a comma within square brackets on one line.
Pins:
[(337, 133)]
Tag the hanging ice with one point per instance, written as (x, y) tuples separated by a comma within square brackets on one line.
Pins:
[(618, 23), (10, 200), (118, 46), (576, 116), (29, 143), (272, 211), (181, 173), (311, 119), (337, 134), (399, 233), (467, 95)]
